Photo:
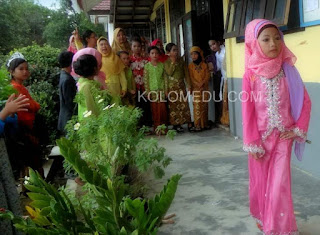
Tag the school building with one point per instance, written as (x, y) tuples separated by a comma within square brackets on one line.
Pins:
[(194, 22)]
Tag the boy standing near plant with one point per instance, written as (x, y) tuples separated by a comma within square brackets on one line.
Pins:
[(128, 99), (67, 90)]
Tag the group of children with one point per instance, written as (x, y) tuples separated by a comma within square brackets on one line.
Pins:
[(160, 84)]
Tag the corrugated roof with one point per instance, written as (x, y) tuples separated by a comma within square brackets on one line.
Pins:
[(102, 6)]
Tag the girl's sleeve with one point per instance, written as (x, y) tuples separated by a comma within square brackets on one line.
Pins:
[(1, 127), (146, 79), (123, 81), (78, 44), (90, 103), (34, 106), (302, 124), (166, 82), (252, 142)]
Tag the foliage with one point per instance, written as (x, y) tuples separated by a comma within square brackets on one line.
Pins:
[(52, 212), (113, 139), (19, 29), (47, 117), (63, 23), (24, 22), (6, 88)]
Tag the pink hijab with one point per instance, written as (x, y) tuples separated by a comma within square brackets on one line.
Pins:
[(255, 60), (101, 77), (72, 47)]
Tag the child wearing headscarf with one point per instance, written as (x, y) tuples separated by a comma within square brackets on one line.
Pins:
[(72, 45), (199, 74), (271, 124), (113, 68), (100, 76), (120, 42)]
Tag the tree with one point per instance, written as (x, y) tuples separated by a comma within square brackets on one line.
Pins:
[(63, 22), (21, 23)]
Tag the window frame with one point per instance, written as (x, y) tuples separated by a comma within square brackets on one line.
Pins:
[(266, 11), (161, 21), (236, 19), (306, 23)]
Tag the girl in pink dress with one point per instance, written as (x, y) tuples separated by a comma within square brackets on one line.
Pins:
[(276, 112)]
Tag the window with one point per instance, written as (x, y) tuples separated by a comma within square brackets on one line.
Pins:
[(309, 12), (161, 24), (240, 13)]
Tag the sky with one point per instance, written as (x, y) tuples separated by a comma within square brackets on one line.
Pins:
[(52, 4)]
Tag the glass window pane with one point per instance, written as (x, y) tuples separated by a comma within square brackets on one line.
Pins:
[(279, 10)]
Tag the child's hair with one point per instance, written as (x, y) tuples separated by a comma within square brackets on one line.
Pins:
[(153, 48), (65, 59), (265, 27), (119, 53), (136, 38), (86, 35), (85, 65), (15, 63), (169, 46)]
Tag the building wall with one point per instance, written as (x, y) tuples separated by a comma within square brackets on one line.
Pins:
[(305, 45)]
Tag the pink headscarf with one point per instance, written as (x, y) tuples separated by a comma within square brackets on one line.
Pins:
[(101, 77), (255, 60), (72, 47)]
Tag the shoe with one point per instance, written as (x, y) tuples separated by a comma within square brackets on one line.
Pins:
[(180, 129), (191, 129)]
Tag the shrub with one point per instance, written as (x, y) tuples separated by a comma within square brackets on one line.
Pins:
[(6, 88)]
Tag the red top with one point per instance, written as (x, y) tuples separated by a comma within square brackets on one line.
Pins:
[(26, 117), (137, 67)]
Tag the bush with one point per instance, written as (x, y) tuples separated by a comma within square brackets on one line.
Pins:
[(6, 88)]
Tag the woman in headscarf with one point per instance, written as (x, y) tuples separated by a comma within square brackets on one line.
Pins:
[(271, 123), (113, 68), (120, 41), (163, 57), (101, 77), (72, 46), (199, 75)]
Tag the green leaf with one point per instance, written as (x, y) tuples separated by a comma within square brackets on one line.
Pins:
[(40, 204), (35, 189), (38, 196)]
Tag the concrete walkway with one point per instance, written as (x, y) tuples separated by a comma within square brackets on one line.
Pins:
[(212, 195)]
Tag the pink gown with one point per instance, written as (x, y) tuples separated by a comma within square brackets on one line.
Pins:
[(266, 112)]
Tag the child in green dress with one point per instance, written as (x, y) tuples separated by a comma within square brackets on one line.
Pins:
[(128, 99)]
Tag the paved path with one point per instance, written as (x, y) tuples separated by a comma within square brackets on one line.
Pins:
[(212, 195)]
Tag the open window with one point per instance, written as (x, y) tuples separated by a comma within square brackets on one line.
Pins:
[(240, 13)]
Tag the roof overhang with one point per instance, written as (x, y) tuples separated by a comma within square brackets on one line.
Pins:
[(123, 13)]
